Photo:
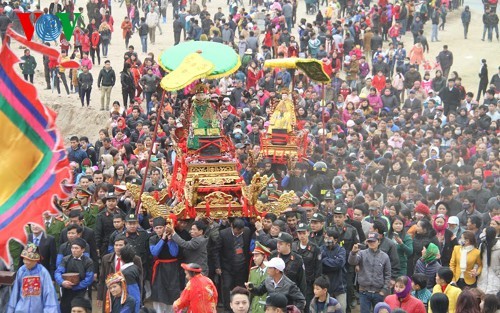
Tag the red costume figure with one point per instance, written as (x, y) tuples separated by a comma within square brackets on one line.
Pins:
[(200, 294)]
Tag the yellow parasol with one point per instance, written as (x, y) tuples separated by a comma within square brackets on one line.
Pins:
[(311, 67)]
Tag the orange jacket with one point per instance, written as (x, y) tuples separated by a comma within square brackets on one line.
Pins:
[(199, 296)]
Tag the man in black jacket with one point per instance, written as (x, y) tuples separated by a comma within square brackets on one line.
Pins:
[(105, 82), (445, 59), (55, 7), (76, 217), (46, 247), (450, 95), (104, 224), (233, 256), (177, 29)]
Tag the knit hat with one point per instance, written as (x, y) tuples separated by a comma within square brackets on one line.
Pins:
[(453, 220), (431, 253), (379, 307), (422, 209)]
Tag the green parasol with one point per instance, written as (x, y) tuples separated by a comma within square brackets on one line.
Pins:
[(194, 60)]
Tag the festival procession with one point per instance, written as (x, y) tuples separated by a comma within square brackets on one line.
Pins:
[(272, 156)]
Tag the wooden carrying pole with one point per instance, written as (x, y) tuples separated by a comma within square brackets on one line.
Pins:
[(158, 117)]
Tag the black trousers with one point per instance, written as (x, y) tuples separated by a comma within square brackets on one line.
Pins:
[(29, 76), (128, 97), (83, 94), (61, 77), (231, 280), (46, 72), (177, 38), (93, 53)]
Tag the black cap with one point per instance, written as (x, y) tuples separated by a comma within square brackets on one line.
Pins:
[(110, 195), (318, 217), (136, 181), (303, 227), (330, 195), (277, 300), (131, 218), (285, 237), (339, 210)]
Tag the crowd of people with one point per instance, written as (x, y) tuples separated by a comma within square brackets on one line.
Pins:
[(397, 205)]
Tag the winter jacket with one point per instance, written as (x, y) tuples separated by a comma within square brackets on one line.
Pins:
[(391, 102), (107, 78), (375, 102), (410, 304), (451, 292), (286, 287), (446, 248), (445, 59), (334, 267), (105, 36), (149, 82), (85, 81), (29, 64), (127, 81), (375, 269), (95, 39), (85, 41), (489, 280), (405, 250), (428, 270), (411, 78), (143, 29), (87, 63), (473, 259), (465, 17), (331, 306), (389, 247), (419, 242)]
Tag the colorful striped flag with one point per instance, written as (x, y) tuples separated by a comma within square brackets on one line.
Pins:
[(33, 162)]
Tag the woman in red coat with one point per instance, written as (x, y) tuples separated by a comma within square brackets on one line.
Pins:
[(95, 42), (268, 38), (253, 75), (402, 297), (85, 41), (200, 294)]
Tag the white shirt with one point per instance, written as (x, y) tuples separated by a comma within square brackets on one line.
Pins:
[(37, 239), (277, 283)]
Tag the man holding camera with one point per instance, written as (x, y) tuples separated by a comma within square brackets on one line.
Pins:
[(374, 272)]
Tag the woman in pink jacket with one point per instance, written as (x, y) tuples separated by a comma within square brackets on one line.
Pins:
[(374, 100), (402, 297), (417, 54)]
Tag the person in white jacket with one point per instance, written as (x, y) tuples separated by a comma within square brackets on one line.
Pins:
[(489, 280)]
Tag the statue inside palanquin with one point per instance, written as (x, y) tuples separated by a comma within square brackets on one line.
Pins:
[(283, 116), (204, 119)]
